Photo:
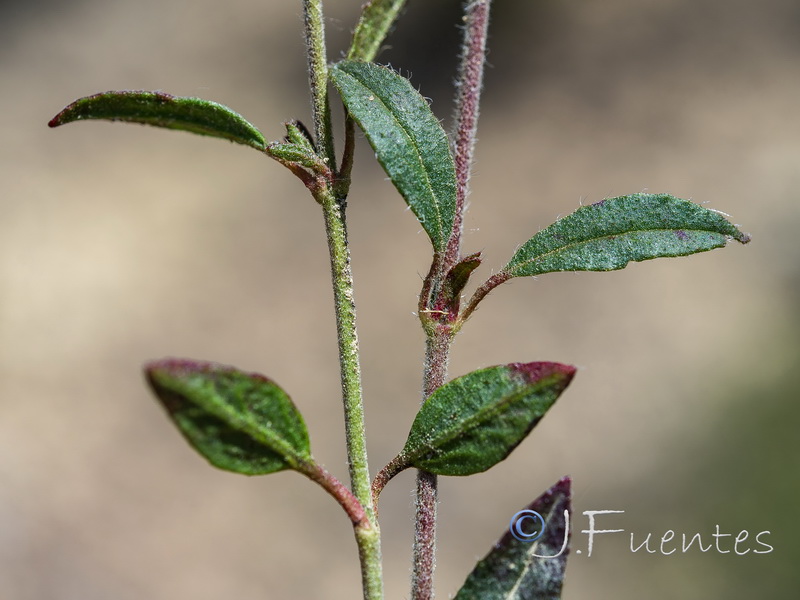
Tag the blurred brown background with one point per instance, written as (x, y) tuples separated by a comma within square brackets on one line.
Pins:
[(120, 244)]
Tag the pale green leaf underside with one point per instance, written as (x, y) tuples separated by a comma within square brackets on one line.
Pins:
[(408, 140), (240, 422), (473, 422), (514, 570), (607, 235), (163, 110), (376, 19)]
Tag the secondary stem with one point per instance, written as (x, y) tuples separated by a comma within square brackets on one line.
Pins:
[(440, 334), (437, 355), (468, 96)]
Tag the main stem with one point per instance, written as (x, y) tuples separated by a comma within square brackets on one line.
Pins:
[(342, 279), (367, 532)]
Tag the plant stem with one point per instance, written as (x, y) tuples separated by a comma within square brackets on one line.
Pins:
[(318, 79), (333, 207), (440, 334), (468, 96), (437, 354), (348, 349), (340, 492), (367, 537), (480, 294)]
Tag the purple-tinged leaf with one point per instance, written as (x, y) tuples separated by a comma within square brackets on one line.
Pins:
[(605, 236), (529, 566), (240, 422), (163, 110), (473, 422), (459, 275)]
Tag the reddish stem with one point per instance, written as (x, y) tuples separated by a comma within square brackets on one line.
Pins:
[(437, 355), (341, 493), (470, 83), (480, 294)]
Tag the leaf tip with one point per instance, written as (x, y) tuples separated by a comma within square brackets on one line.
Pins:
[(534, 372), (173, 365), (562, 487)]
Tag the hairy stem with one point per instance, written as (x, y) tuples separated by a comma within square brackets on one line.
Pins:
[(366, 530), (318, 79), (368, 538), (437, 356), (396, 465), (468, 95), (340, 492), (440, 334)]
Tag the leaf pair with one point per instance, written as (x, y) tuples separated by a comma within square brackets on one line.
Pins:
[(245, 423), (412, 147)]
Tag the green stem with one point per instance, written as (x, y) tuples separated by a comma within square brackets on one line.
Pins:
[(318, 79), (367, 532), (348, 348), (368, 536)]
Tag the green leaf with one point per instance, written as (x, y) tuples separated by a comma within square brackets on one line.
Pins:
[(408, 140), (519, 570), (298, 154), (240, 422), (377, 17), (607, 235), (473, 422), (163, 110), (297, 133)]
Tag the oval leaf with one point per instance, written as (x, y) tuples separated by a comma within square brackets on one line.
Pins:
[(519, 570), (607, 235), (377, 17), (473, 422), (408, 140), (163, 110), (240, 422)]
